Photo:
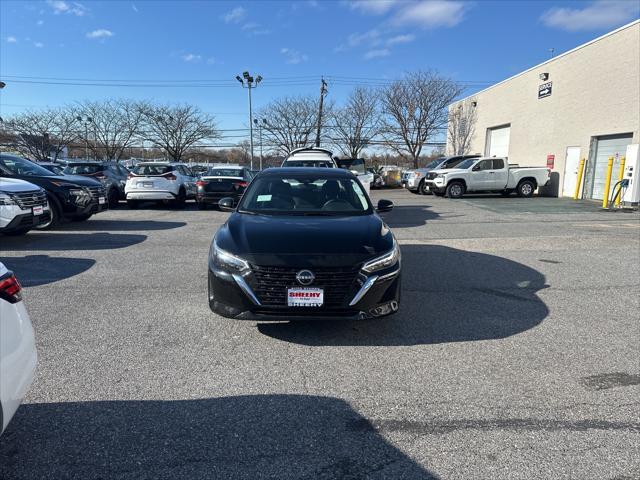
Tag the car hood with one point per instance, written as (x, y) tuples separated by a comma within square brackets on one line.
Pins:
[(13, 185), (442, 171), (45, 181), (305, 240)]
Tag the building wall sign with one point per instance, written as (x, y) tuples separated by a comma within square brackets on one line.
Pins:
[(544, 90), (551, 160)]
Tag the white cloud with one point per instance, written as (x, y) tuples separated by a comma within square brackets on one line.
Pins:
[(398, 39), (192, 57), (40, 23), (101, 33), (211, 61), (373, 7), (38, 44), (597, 15), (134, 8), (73, 8), (12, 39), (431, 14), (383, 52), (235, 16), (294, 56)]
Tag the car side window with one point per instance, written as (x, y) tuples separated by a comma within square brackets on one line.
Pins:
[(187, 171), (498, 163), (485, 165), (180, 169)]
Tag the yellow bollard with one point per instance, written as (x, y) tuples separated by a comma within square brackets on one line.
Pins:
[(607, 184), (620, 177), (579, 182)]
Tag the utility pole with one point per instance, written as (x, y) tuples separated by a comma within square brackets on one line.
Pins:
[(323, 92), (248, 82), (259, 125), (86, 121)]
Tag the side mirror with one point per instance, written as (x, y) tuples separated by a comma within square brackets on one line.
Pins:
[(226, 204), (384, 206), (476, 168)]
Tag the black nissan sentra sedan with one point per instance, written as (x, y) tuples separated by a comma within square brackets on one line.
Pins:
[(304, 243)]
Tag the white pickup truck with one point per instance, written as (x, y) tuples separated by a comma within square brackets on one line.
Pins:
[(487, 174)]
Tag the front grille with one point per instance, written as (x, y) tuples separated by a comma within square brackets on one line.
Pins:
[(270, 284), (30, 199), (97, 192)]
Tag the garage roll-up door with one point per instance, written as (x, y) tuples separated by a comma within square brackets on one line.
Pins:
[(498, 141), (607, 147)]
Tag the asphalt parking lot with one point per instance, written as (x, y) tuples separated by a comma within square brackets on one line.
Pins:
[(515, 354)]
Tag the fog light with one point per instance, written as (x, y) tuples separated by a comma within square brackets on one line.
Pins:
[(384, 309)]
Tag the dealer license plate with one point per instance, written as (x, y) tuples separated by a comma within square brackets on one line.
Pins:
[(305, 297), (145, 184), (38, 210), (102, 200)]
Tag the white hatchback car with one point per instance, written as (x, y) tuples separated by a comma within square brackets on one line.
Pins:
[(18, 357), (160, 182)]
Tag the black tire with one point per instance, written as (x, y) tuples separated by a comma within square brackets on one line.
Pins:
[(422, 188), (113, 197), (56, 216), (17, 233), (455, 190), (526, 188), (181, 199), (133, 204)]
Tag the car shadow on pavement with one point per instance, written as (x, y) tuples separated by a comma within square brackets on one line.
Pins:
[(405, 216), (121, 225), (46, 241), (36, 270), (448, 295), (244, 437)]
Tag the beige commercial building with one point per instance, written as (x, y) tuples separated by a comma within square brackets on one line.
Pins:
[(584, 103)]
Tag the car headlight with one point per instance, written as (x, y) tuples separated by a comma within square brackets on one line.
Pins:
[(387, 260), (417, 175), (227, 261), (80, 196), (6, 199)]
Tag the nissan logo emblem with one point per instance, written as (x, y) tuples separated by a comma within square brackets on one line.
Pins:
[(305, 277)]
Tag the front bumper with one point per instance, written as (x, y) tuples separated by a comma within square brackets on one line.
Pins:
[(436, 185), (25, 220), (231, 296), (150, 195)]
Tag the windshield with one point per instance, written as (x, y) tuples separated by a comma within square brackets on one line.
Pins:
[(223, 172), (308, 163), (22, 166), (467, 163), (150, 169), (305, 195), (434, 163), (83, 169)]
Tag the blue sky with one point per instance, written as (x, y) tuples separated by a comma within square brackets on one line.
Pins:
[(291, 44)]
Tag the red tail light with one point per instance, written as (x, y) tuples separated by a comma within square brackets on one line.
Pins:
[(10, 288), (240, 184), (170, 176), (200, 183)]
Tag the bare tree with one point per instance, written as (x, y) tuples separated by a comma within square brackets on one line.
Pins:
[(114, 126), (42, 135), (415, 110), (357, 123), (175, 129), (290, 122), (461, 127)]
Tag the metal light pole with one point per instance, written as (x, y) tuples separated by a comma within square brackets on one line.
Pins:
[(323, 92), (248, 82), (86, 121), (259, 125), (2, 85)]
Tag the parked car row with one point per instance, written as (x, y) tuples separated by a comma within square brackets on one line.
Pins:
[(455, 176), (32, 196)]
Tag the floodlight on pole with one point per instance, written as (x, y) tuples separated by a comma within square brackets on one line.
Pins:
[(249, 83)]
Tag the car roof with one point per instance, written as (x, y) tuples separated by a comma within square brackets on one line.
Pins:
[(301, 171)]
